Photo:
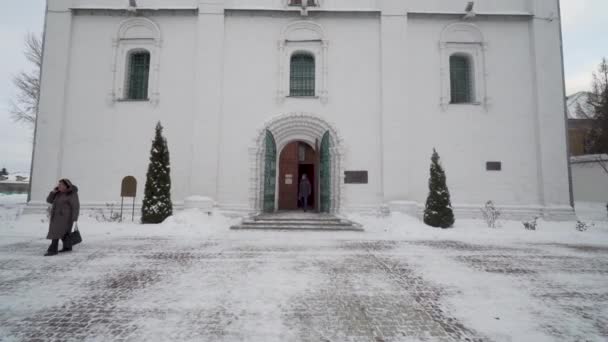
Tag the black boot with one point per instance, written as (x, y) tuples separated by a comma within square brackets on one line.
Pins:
[(52, 248), (67, 246)]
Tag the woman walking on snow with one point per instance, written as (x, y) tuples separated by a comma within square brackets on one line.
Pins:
[(64, 213)]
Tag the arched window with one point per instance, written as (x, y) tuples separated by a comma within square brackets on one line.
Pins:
[(138, 73), (461, 79), (302, 75)]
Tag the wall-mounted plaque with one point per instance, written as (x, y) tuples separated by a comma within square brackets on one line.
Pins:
[(494, 166), (355, 177)]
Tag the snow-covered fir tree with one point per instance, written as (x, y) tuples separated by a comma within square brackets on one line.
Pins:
[(157, 204), (438, 209)]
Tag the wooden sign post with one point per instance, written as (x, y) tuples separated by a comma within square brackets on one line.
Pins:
[(128, 188)]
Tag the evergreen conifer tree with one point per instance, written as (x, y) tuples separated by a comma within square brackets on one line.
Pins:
[(438, 209), (599, 102), (3, 172), (157, 204)]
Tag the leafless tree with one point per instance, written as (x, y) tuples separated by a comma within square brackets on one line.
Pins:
[(602, 162), (598, 100), (24, 107)]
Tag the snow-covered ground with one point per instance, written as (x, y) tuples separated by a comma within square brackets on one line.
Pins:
[(192, 279)]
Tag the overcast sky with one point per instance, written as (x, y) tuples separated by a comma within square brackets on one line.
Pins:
[(585, 43)]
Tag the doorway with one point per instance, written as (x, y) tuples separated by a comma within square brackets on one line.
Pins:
[(297, 159)]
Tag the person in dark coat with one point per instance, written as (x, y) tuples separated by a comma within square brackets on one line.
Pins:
[(64, 213), (305, 190)]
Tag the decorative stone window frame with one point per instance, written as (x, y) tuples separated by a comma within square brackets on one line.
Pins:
[(135, 34), (464, 39), (303, 37), (287, 128)]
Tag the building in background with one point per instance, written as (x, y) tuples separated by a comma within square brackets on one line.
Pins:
[(580, 122), (354, 93)]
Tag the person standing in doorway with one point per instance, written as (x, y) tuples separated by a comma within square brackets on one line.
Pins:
[(305, 190), (64, 213)]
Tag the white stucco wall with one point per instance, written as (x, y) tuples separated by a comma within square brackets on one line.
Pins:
[(589, 179), (467, 136), (219, 82), (250, 86), (103, 142)]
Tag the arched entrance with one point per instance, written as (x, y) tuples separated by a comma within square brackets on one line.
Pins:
[(275, 161), (297, 160)]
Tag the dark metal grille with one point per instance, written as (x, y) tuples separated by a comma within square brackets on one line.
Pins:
[(299, 3), (139, 71), (461, 82), (302, 75)]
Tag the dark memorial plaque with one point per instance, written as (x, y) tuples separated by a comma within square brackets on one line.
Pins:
[(494, 166), (355, 177), (128, 187)]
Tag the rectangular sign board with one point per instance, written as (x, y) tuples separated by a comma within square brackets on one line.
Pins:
[(355, 177)]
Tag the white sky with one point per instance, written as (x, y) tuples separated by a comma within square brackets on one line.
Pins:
[(585, 43)]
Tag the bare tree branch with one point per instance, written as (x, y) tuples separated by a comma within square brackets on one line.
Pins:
[(24, 107), (598, 100), (602, 163)]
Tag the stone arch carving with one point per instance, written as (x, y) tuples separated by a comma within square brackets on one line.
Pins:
[(286, 128), (303, 30), (134, 34), (138, 28), (462, 33)]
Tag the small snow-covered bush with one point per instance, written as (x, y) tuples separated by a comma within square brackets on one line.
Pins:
[(107, 214), (490, 214), (582, 226), (531, 225)]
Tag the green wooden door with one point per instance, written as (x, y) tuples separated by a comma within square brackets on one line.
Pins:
[(270, 173), (325, 174)]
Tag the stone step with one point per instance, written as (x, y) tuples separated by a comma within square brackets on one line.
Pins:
[(297, 218), (302, 222), (297, 221), (298, 227), (305, 226)]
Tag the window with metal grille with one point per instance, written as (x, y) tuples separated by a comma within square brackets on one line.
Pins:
[(138, 74), (302, 75), (461, 79), (299, 3)]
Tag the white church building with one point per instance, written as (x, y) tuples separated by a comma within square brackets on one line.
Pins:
[(355, 94)]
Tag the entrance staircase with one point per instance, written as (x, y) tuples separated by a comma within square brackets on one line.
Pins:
[(298, 221)]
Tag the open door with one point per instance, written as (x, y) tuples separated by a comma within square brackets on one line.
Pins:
[(325, 175), (270, 173)]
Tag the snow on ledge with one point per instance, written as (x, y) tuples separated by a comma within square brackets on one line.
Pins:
[(589, 158)]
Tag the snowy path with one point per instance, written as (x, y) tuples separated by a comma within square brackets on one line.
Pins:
[(192, 279), (301, 287)]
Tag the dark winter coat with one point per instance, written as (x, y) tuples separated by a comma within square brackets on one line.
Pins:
[(64, 212), (304, 188)]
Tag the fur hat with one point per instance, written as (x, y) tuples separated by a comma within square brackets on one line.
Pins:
[(67, 183)]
